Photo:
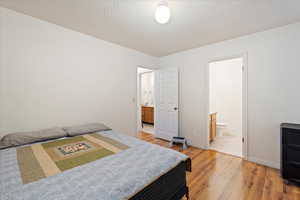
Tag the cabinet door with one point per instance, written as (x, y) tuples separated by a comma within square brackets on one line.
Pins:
[(151, 116), (210, 130), (212, 127), (143, 114), (147, 115)]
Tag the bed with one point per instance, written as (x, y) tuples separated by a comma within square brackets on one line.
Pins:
[(102, 165)]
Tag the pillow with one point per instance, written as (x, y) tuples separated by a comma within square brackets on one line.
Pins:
[(1, 136), (21, 138), (85, 129)]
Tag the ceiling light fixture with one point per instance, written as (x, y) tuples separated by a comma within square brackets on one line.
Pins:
[(163, 12)]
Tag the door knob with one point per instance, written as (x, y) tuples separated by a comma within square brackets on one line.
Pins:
[(175, 108)]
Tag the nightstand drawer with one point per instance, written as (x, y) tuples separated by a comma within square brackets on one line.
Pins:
[(293, 153), (290, 151), (293, 170), (292, 137)]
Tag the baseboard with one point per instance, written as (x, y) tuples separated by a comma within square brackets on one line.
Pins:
[(265, 162), (190, 143)]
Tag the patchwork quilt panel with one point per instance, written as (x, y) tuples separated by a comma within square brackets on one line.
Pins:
[(42, 160)]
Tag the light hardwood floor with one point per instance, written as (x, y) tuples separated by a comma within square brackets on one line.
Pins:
[(217, 176)]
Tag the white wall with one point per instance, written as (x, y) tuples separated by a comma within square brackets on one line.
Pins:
[(52, 76), (225, 94), (273, 85)]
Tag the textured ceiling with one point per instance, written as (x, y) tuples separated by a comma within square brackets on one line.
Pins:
[(194, 23)]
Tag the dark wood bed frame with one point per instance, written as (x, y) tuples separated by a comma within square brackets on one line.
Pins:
[(170, 186)]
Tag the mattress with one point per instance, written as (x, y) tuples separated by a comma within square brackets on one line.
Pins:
[(120, 175)]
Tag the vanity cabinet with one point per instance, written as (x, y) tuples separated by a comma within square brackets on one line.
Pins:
[(148, 114)]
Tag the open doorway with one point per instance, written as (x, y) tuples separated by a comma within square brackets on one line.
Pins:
[(145, 101), (226, 106)]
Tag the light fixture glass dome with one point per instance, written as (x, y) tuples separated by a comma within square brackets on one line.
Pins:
[(162, 13)]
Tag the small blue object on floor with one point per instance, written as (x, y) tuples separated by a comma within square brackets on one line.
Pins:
[(179, 140)]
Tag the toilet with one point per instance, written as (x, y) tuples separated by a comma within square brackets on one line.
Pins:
[(221, 127)]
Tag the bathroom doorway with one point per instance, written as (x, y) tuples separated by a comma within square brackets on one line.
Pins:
[(145, 100), (226, 106)]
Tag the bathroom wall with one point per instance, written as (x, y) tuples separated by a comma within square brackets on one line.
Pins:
[(147, 89), (226, 94)]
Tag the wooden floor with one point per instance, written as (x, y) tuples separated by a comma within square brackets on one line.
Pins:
[(217, 176)]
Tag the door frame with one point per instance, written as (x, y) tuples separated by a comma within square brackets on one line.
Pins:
[(138, 109), (244, 56)]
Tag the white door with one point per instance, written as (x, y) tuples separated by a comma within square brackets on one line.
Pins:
[(166, 103)]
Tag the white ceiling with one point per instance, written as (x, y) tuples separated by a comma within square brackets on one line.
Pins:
[(194, 23)]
